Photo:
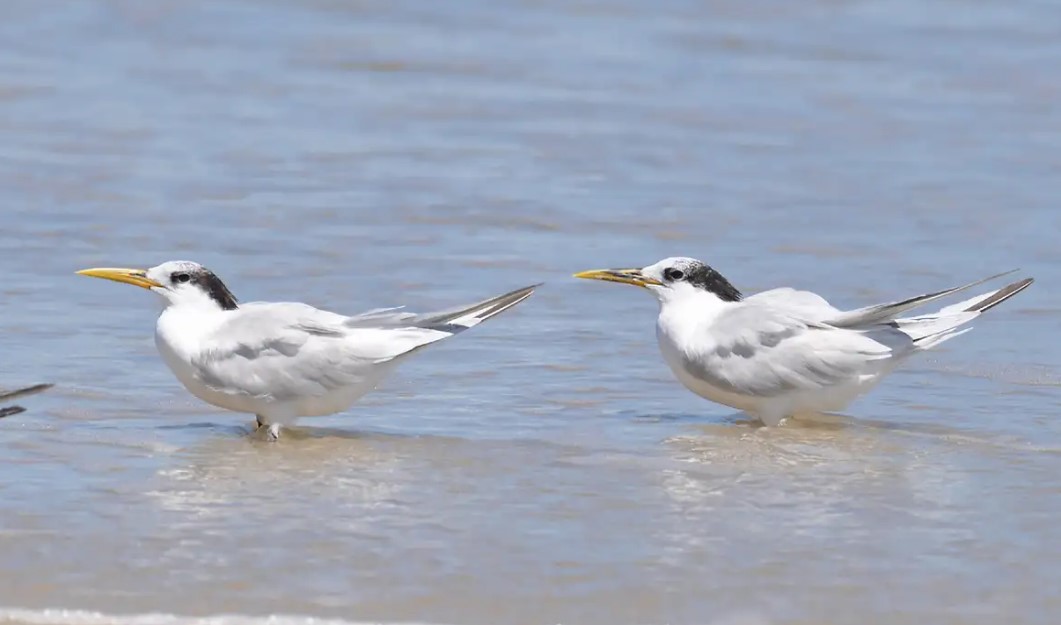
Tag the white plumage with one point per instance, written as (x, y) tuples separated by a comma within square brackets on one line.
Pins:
[(784, 352), (284, 360)]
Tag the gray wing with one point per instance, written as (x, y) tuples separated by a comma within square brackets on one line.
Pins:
[(289, 350), (806, 304), (765, 351), (286, 350)]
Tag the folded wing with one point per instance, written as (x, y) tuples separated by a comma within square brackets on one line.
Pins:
[(287, 350), (764, 351)]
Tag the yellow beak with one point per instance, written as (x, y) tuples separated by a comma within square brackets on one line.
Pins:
[(135, 277), (625, 276)]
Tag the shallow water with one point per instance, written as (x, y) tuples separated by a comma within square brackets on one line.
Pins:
[(543, 468)]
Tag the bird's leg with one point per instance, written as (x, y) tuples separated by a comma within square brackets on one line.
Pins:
[(272, 430), (772, 418)]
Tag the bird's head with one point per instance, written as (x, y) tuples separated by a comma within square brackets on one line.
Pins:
[(178, 282), (672, 278)]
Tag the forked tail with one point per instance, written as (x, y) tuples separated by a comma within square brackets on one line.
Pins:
[(458, 319), (397, 333), (930, 330)]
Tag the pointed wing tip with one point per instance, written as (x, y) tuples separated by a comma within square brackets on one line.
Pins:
[(1001, 295), (22, 392), (526, 291), (1022, 284), (1019, 285), (1008, 272), (509, 300), (519, 295)]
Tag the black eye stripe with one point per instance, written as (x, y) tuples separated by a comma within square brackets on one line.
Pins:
[(200, 278), (705, 278)]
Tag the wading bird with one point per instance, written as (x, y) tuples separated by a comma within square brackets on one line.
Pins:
[(284, 360), (783, 352)]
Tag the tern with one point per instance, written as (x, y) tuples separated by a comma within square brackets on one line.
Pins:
[(284, 360), (7, 411), (784, 352)]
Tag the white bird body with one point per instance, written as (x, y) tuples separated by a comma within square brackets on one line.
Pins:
[(720, 361), (784, 352), (284, 360), (280, 360)]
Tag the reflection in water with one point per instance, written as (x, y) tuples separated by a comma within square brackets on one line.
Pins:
[(238, 477)]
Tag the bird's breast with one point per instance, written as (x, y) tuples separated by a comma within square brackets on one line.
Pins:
[(180, 340), (692, 368)]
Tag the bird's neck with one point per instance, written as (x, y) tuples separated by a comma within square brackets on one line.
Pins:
[(685, 297), (195, 300), (181, 329), (690, 313)]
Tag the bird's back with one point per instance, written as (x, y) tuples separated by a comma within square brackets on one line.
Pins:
[(803, 303)]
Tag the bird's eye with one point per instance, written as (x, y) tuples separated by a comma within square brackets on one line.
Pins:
[(673, 274), (181, 278)]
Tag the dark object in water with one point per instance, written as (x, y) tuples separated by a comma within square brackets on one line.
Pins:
[(10, 410), (7, 411)]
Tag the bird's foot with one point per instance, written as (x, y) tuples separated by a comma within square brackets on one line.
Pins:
[(773, 420), (266, 431)]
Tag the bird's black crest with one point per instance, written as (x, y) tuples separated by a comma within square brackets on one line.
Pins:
[(215, 288), (704, 277)]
